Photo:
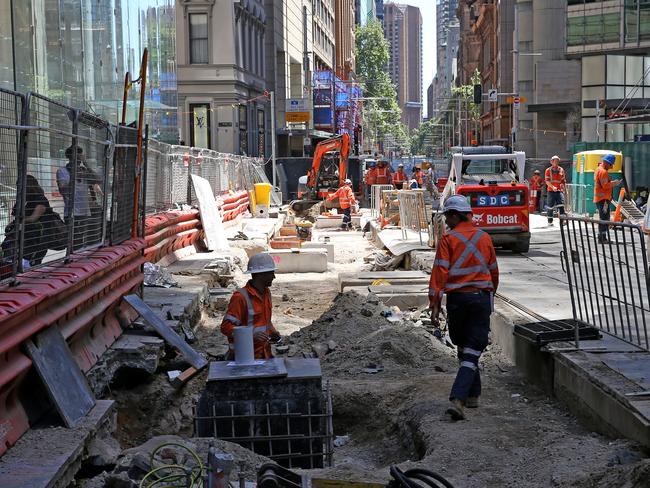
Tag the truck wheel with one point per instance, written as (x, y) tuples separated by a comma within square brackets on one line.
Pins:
[(522, 246)]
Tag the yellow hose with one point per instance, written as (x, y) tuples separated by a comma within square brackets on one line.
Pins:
[(176, 473)]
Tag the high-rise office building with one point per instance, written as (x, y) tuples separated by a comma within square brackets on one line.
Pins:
[(365, 10), (447, 35), (344, 28), (403, 30)]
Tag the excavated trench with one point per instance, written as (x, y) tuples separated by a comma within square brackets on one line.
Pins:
[(389, 383)]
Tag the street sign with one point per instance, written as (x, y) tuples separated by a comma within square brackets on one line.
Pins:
[(518, 100), (515, 102), (492, 95), (297, 117), (297, 110)]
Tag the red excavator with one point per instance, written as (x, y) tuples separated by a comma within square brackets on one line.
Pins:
[(328, 172)]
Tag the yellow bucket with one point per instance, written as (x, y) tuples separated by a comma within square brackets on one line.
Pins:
[(263, 193)]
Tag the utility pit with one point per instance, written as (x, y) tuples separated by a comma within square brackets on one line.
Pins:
[(275, 408)]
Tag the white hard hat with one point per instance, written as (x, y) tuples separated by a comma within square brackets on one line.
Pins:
[(458, 203), (260, 263), (348, 182)]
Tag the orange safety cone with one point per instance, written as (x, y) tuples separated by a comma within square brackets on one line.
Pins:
[(617, 213)]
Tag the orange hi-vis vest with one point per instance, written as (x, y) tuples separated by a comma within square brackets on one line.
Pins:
[(346, 196), (555, 177), (383, 176), (536, 182), (417, 176), (603, 185), (371, 177), (249, 308), (399, 177), (465, 262)]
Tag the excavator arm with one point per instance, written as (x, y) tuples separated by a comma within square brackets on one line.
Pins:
[(340, 144)]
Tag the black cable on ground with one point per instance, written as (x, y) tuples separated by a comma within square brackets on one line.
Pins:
[(407, 479)]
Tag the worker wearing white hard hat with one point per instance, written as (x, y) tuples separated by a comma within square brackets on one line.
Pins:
[(250, 306), (465, 268), (346, 202)]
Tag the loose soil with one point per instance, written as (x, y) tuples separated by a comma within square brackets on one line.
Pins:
[(390, 382)]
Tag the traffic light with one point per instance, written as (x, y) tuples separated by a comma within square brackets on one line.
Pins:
[(478, 94)]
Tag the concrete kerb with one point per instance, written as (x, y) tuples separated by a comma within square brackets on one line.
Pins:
[(51, 457)]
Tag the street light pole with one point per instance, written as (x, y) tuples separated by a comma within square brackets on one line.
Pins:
[(515, 78), (272, 95)]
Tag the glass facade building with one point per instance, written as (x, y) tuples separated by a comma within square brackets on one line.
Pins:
[(78, 51)]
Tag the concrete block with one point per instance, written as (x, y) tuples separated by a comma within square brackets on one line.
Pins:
[(300, 260), (288, 231), (347, 280), (285, 243), (335, 221), (329, 247)]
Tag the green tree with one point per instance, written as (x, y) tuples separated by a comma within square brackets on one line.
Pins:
[(382, 114)]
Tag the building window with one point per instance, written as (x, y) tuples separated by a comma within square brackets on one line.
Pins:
[(261, 133), (200, 127), (198, 38), (243, 129)]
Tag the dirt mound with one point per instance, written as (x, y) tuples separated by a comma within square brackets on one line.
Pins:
[(627, 476), (353, 336)]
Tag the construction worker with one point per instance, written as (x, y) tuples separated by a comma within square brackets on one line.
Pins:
[(536, 183), (418, 176), (250, 306), (383, 173), (370, 179), (465, 268), (603, 186), (346, 202), (555, 184), (399, 177)]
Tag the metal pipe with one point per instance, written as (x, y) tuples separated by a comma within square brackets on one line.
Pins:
[(138, 161)]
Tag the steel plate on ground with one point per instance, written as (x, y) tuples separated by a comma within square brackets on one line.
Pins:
[(263, 368), (66, 385)]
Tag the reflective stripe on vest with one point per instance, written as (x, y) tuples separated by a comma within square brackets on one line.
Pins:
[(555, 177), (383, 176), (470, 249), (600, 181), (251, 315), (399, 177)]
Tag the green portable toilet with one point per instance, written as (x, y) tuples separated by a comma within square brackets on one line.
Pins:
[(585, 164)]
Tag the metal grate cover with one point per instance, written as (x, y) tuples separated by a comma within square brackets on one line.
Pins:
[(541, 333)]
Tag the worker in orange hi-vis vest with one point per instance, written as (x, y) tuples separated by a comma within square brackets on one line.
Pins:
[(603, 186), (536, 183), (465, 268), (418, 176), (346, 202), (383, 173), (250, 306), (399, 177), (555, 180)]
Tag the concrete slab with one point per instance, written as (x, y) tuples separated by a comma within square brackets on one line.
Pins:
[(347, 280), (50, 457), (335, 221), (299, 260), (329, 247)]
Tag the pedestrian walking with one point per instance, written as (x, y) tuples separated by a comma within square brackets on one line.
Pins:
[(555, 184), (603, 187), (250, 306), (465, 268)]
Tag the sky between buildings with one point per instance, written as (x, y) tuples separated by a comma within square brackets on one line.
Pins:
[(428, 11)]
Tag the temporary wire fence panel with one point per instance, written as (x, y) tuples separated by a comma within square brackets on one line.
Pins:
[(11, 108), (609, 283), (576, 199), (376, 201), (61, 189), (412, 212), (123, 184)]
